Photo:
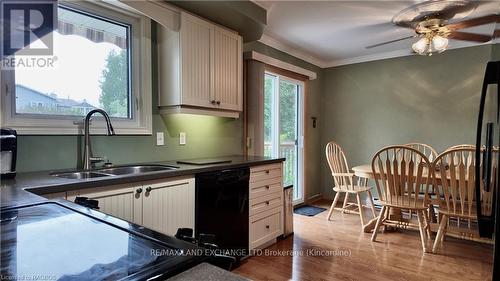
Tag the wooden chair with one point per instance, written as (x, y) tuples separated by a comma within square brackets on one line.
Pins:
[(401, 174), (345, 183), (426, 149), (454, 174)]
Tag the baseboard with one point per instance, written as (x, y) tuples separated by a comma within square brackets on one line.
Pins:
[(314, 198)]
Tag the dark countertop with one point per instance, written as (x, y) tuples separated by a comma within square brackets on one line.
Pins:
[(39, 240), (23, 189)]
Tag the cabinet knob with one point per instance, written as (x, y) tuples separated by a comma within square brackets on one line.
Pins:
[(139, 190), (212, 101), (148, 189), (218, 102), (267, 202), (267, 186), (267, 171), (267, 226)]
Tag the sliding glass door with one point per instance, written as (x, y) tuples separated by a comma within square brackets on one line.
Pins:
[(283, 115)]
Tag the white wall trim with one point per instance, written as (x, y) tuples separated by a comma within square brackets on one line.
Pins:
[(374, 57), (281, 64), (271, 42)]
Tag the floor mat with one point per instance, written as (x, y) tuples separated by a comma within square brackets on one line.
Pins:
[(308, 210)]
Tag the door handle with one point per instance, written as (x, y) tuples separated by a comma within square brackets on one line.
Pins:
[(487, 157)]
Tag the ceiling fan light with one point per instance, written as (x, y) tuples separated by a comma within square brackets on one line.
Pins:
[(421, 45), (439, 43)]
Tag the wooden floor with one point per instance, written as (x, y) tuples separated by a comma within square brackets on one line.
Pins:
[(395, 256)]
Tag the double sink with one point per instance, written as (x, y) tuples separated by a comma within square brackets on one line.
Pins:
[(114, 171)]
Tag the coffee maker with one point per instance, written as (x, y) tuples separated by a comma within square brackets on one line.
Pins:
[(8, 153)]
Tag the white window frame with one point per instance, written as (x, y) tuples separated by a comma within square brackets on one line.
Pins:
[(299, 181), (140, 84)]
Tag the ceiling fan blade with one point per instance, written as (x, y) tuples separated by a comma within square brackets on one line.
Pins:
[(389, 42), (473, 22), (465, 36)]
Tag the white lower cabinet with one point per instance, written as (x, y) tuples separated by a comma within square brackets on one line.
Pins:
[(57, 195), (161, 205), (168, 205), (266, 204), (123, 201)]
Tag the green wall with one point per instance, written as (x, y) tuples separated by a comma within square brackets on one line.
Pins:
[(206, 137), (314, 97), (433, 100)]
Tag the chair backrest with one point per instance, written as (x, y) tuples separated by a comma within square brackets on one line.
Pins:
[(457, 193), (401, 175), (426, 149), (461, 146), (338, 165)]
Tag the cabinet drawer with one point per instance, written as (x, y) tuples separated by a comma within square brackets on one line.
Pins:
[(264, 172), (266, 187), (265, 203), (265, 227)]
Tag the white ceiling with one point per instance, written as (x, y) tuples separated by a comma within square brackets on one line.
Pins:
[(331, 33)]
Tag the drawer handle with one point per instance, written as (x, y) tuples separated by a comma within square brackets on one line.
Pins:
[(267, 226), (267, 202)]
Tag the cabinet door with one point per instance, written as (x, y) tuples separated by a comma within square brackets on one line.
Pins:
[(169, 205), (58, 195), (228, 69), (122, 201), (196, 74)]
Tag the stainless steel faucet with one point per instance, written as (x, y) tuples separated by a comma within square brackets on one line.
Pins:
[(88, 159)]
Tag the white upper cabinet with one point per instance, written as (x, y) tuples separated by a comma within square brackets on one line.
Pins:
[(200, 69), (227, 65), (196, 66)]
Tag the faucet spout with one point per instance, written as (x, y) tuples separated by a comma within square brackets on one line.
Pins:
[(87, 153)]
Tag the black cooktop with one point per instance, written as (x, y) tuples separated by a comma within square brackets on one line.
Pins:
[(204, 161), (58, 243)]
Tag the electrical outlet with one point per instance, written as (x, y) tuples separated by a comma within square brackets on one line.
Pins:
[(160, 138), (182, 138)]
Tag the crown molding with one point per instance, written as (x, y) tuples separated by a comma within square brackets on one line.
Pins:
[(271, 42), (374, 57)]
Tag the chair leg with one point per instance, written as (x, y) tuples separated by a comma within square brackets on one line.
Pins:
[(379, 222), (333, 205), (427, 226), (440, 233), (373, 205), (346, 198), (360, 207), (423, 237)]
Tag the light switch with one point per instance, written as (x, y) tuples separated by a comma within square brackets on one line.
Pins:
[(182, 138), (160, 138)]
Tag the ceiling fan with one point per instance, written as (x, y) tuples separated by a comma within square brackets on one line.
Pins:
[(437, 21)]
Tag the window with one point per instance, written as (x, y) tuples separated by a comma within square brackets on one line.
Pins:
[(102, 60)]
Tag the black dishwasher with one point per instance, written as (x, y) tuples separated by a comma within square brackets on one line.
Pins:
[(222, 209)]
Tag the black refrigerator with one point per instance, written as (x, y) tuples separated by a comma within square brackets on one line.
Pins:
[(488, 133)]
